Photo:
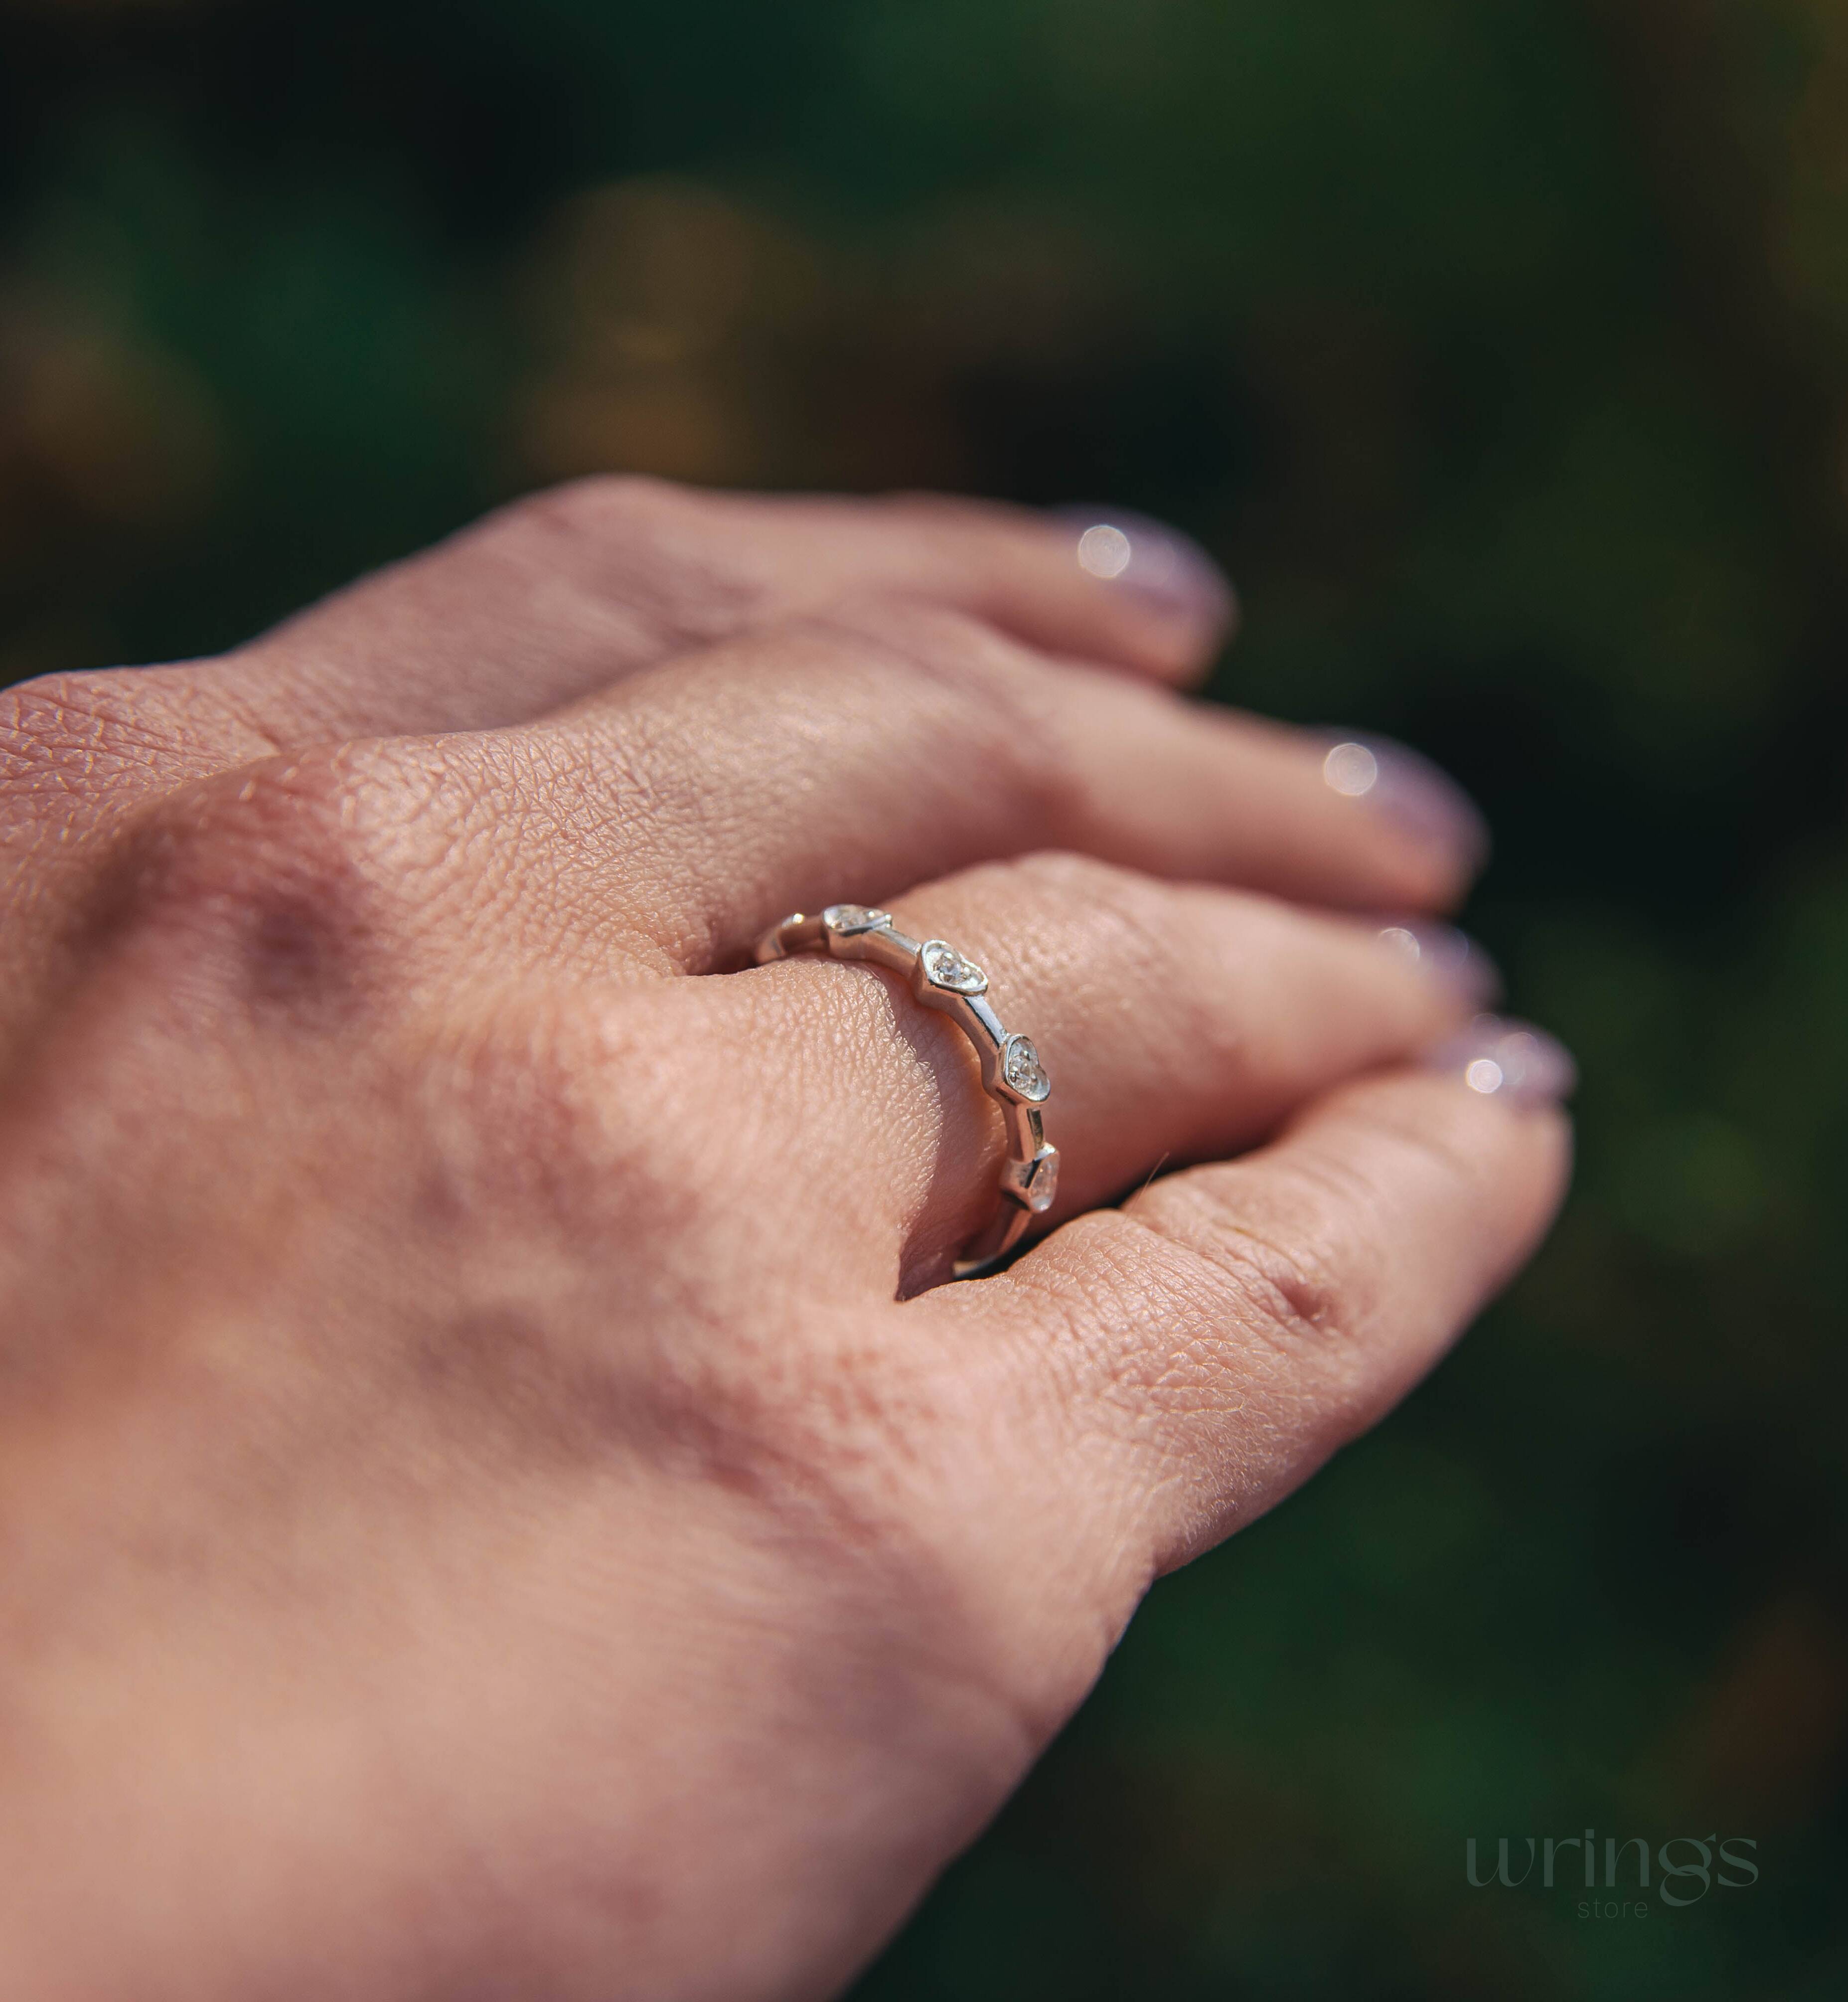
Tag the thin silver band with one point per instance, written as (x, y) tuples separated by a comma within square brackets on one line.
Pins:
[(1012, 1073)]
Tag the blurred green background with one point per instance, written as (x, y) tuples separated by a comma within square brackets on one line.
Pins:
[(1500, 349)]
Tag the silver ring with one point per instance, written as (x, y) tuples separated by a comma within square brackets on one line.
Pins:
[(1012, 1073)]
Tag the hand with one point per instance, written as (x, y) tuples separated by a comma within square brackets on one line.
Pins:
[(495, 1500)]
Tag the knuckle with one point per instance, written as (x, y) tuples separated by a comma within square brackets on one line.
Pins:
[(1297, 1293), (600, 505), (1280, 1278), (970, 692), (268, 884), (1204, 1315), (1064, 876), (1120, 918), (664, 554), (1025, 704), (936, 644)]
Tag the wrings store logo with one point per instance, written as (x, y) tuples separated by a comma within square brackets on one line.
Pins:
[(1686, 1867)]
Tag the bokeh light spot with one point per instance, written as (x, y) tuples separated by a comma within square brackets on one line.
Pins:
[(1351, 770), (1104, 551), (1402, 941)]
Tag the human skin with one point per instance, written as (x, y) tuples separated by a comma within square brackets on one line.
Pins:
[(495, 1499)]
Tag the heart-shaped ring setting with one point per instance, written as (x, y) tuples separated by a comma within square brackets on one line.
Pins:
[(945, 967), (1021, 1067)]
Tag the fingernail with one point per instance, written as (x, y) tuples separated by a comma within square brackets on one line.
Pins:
[(1448, 955), (1513, 1061), (1428, 804), (1171, 571)]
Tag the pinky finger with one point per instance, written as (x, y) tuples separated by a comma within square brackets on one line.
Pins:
[(1220, 1337)]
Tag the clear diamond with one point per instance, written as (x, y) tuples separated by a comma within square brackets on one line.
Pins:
[(1035, 1182), (850, 918), (1021, 1066), (945, 967)]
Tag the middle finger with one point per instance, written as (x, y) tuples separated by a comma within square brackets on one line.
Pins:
[(683, 812)]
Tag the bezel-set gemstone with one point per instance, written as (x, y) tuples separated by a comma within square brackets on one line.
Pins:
[(945, 967), (1039, 1179), (1021, 1067), (847, 918)]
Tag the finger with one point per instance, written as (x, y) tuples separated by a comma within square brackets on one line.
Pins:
[(558, 595), (1224, 1332), (846, 761), (1177, 1023), (569, 589)]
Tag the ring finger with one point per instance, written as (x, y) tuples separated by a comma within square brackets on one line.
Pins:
[(1177, 1022)]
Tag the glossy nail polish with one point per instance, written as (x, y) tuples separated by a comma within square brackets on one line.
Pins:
[(1423, 801), (1511, 1062), (1448, 955), (1168, 570)]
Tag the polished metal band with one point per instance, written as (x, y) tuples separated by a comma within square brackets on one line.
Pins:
[(1011, 1071)]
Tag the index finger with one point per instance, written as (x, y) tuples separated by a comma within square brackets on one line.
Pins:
[(567, 592)]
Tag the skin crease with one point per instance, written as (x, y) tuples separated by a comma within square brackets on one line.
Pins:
[(495, 1499)]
